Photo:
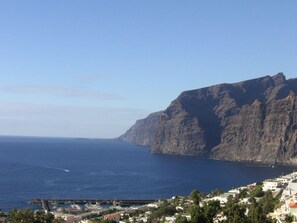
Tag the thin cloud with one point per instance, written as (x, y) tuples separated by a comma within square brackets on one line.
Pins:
[(89, 79), (62, 120), (64, 92)]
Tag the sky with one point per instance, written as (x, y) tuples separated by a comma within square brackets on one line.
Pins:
[(91, 68)]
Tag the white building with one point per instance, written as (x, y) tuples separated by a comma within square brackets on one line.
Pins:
[(222, 199), (272, 185), (170, 219), (86, 221), (284, 179), (153, 205), (69, 218), (290, 190), (234, 191)]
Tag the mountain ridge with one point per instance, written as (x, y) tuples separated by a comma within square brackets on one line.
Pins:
[(253, 120)]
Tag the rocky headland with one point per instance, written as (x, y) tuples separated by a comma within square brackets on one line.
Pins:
[(143, 131), (253, 120)]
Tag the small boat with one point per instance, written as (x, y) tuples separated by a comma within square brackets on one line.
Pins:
[(75, 206), (91, 206)]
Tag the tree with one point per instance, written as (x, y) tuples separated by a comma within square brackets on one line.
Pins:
[(197, 214), (289, 218), (196, 197), (257, 192), (43, 217), (235, 212), (211, 208), (243, 193), (267, 202), (28, 216), (256, 214), (106, 221), (216, 192), (181, 219), (24, 216), (258, 211), (2, 214), (165, 210)]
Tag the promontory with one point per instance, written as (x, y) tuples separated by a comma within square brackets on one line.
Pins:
[(253, 120)]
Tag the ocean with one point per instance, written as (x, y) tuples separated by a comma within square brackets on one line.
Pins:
[(34, 167)]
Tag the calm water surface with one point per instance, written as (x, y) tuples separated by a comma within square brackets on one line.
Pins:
[(76, 168)]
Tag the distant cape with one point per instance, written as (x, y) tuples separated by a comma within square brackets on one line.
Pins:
[(253, 120)]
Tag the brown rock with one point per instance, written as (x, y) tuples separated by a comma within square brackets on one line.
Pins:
[(143, 131), (254, 120)]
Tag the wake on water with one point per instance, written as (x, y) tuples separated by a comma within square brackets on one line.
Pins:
[(55, 168), (47, 167)]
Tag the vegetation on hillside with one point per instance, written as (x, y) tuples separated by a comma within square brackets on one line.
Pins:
[(197, 208)]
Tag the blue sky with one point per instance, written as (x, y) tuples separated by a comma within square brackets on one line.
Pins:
[(91, 68)]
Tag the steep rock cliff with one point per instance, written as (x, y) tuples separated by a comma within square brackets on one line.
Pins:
[(261, 132), (253, 120), (143, 131)]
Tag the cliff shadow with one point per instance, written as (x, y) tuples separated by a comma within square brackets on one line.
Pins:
[(208, 121)]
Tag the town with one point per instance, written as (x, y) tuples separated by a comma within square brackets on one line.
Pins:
[(273, 200)]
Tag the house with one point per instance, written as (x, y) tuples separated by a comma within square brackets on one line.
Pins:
[(284, 179), (144, 219), (153, 205), (187, 216), (272, 185), (115, 217), (289, 190), (219, 218), (293, 209), (68, 218), (292, 187), (170, 219), (86, 221), (179, 208), (234, 191)]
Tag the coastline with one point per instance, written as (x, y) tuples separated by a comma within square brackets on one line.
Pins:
[(82, 209)]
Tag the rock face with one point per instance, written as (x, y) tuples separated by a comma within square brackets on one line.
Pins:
[(254, 120), (143, 131)]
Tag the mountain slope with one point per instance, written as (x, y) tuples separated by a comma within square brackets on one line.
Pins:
[(253, 120), (143, 131)]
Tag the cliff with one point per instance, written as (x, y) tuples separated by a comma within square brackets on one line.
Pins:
[(143, 131), (253, 120)]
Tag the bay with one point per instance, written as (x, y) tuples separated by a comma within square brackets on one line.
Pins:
[(33, 167)]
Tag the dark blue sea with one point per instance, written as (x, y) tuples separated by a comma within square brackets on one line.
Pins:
[(91, 168)]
